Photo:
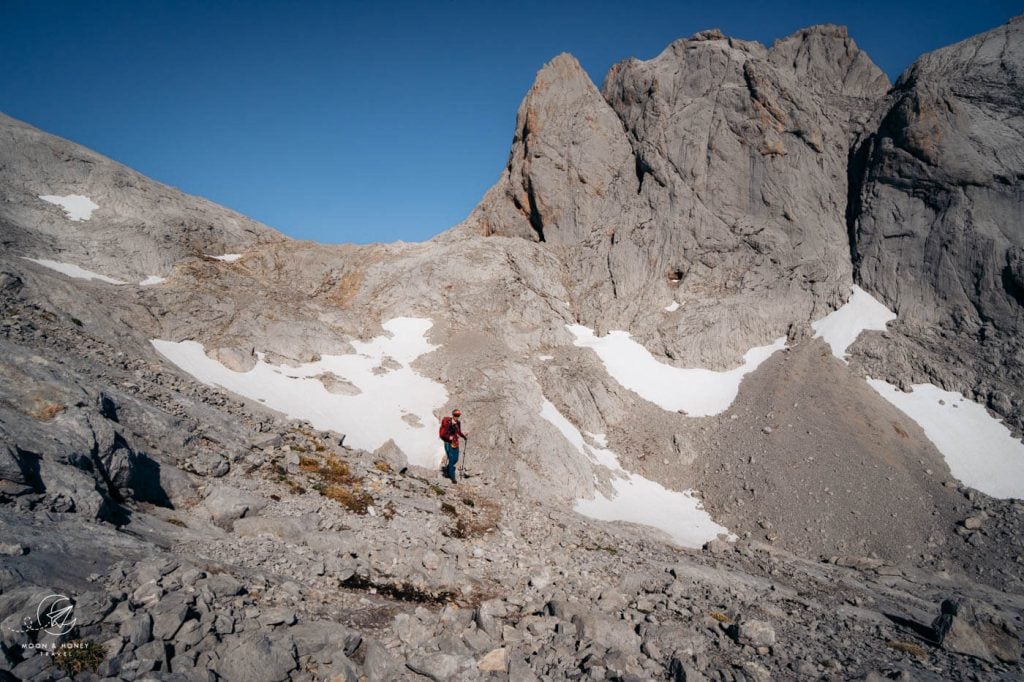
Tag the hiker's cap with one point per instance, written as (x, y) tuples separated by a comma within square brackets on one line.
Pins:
[(456, 413)]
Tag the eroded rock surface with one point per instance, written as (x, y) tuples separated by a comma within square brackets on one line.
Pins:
[(936, 217)]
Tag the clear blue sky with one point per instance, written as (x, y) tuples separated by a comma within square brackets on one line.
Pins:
[(365, 121)]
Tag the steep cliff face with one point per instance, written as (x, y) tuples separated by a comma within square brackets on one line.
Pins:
[(569, 173), (714, 175), (941, 201), (938, 223)]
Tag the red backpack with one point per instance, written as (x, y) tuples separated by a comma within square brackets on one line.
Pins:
[(445, 432)]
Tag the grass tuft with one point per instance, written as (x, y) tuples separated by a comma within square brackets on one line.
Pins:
[(78, 656), (338, 483), (355, 500), (45, 410), (908, 648), (478, 519)]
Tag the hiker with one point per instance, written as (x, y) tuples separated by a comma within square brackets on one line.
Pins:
[(451, 430)]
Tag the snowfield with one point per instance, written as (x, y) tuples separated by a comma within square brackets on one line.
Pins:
[(698, 392), (368, 419), (598, 455), (636, 499), (76, 207), (841, 327), (73, 270), (672, 307), (151, 280), (227, 257), (978, 449)]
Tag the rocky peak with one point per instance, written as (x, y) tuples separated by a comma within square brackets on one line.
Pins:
[(713, 170), (569, 165), (989, 60), (827, 59)]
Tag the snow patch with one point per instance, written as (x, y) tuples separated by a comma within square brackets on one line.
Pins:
[(151, 280), (841, 327), (227, 257), (76, 207), (978, 449), (640, 500), (636, 499), (672, 307), (698, 392), (545, 358), (380, 411), (73, 270)]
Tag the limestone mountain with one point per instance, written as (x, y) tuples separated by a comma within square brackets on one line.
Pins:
[(715, 174), (742, 298)]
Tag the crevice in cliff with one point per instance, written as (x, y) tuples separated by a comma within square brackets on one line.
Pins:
[(536, 222), (641, 168), (1013, 283), (856, 174)]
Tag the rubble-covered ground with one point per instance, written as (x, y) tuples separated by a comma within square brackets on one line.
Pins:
[(206, 538)]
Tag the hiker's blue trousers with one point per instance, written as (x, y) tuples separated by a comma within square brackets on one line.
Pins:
[(453, 459)]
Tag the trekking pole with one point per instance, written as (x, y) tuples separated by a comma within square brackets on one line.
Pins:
[(462, 460)]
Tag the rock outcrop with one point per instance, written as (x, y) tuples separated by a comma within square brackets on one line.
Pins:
[(936, 217), (139, 229), (715, 174)]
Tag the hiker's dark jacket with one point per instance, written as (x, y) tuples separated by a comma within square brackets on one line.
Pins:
[(454, 432)]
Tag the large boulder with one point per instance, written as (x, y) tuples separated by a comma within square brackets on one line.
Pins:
[(257, 657), (16, 471), (973, 628), (225, 504)]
